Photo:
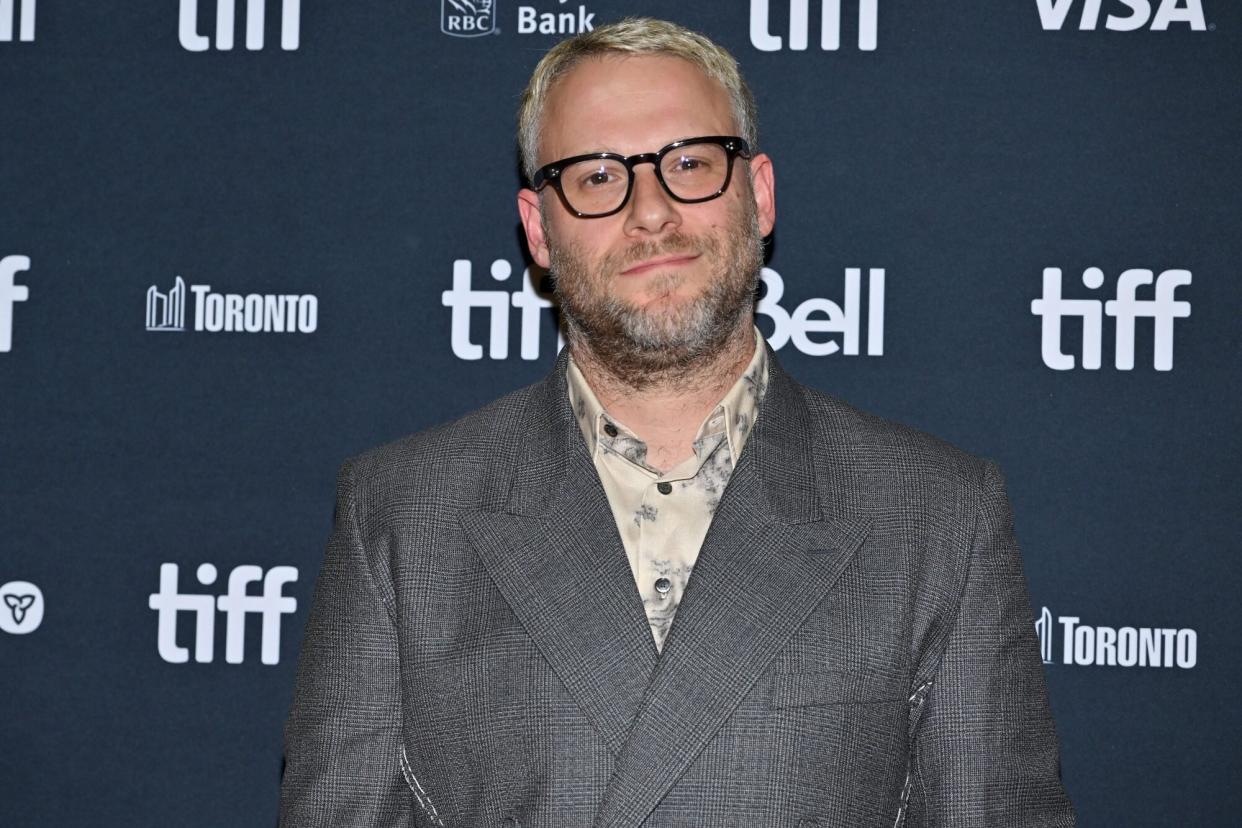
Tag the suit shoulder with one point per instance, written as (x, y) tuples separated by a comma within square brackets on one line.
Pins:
[(885, 443), (450, 454)]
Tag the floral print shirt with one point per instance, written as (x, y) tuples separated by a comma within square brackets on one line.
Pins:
[(663, 517)]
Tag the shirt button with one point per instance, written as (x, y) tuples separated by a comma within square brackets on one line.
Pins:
[(610, 429), (664, 487), (663, 585)]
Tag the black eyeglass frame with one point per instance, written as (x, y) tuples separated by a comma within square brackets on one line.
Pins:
[(551, 173)]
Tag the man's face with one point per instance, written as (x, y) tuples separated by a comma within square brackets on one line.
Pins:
[(660, 282)]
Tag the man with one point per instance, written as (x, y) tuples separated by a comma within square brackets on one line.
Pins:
[(666, 586)]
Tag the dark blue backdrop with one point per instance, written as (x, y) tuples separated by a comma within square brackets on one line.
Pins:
[(362, 151)]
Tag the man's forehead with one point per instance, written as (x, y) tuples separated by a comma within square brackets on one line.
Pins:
[(648, 76), (624, 98)]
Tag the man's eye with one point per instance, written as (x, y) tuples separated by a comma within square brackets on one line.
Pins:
[(598, 178), (689, 164)]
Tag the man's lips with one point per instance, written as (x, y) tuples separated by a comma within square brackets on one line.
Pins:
[(662, 261)]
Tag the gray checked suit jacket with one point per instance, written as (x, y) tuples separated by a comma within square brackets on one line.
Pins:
[(854, 647)]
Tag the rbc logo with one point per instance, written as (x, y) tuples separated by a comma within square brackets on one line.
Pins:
[(467, 18), (22, 610), (1053, 13), (235, 604), (799, 24), (256, 12), (1125, 308), (25, 13)]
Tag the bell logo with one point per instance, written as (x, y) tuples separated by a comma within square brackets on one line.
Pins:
[(761, 36), (1125, 308), (236, 604), (1053, 14), (823, 316), (256, 12), (24, 11)]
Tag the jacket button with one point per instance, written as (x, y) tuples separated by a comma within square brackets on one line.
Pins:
[(511, 822), (808, 823)]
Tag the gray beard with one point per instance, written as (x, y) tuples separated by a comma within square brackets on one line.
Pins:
[(641, 347)]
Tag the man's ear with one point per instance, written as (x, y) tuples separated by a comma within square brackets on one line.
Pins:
[(763, 184), (528, 209)]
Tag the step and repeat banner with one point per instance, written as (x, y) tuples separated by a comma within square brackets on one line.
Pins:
[(243, 240)]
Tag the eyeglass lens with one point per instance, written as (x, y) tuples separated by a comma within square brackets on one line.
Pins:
[(690, 172)]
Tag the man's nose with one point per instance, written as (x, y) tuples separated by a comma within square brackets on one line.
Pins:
[(651, 208)]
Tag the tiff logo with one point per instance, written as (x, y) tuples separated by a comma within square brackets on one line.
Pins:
[(256, 12), (10, 294), (799, 24), (1125, 308), (8, 10), (1053, 13), (236, 604), (462, 298), (166, 311)]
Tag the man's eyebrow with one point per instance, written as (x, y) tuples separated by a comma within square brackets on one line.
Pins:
[(612, 150), (615, 151)]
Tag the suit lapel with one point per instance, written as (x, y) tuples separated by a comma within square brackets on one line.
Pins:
[(773, 552), (556, 557)]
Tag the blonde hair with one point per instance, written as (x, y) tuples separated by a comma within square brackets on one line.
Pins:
[(632, 36)]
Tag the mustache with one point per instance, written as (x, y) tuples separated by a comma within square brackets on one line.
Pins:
[(673, 244)]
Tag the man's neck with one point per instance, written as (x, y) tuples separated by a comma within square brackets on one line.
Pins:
[(666, 410)]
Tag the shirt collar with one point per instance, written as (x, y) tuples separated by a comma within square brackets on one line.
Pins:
[(733, 417)]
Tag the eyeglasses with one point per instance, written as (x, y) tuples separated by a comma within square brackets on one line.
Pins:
[(599, 184)]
